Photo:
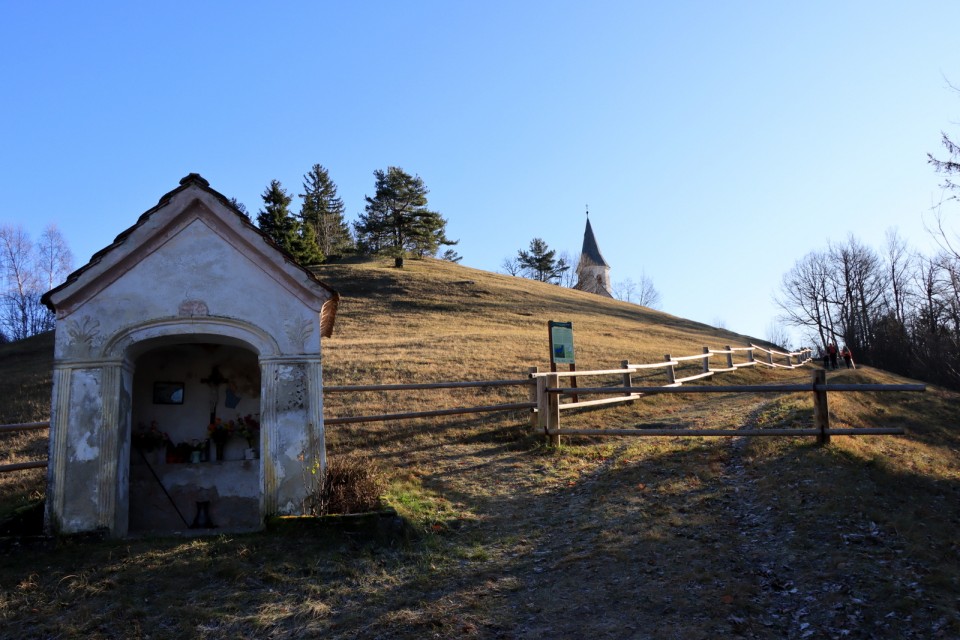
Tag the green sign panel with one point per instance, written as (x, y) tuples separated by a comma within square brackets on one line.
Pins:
[(561, 342)]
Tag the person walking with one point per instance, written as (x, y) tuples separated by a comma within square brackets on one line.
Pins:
[(847, 357), (832, 352)]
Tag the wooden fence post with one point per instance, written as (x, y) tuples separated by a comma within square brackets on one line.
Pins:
[(706, 359), (533, 395), (821, 414), (750, 354), (769, 357), (790, 360), (671, 375), (627, 378), (553, 409), (542, 407), (729, 357)]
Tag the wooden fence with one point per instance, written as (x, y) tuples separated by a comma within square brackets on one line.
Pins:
[(26, 426), (549, 393), (672, 365), (544, 395)]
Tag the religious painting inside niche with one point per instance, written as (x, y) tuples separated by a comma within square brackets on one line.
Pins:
[(167, 393)]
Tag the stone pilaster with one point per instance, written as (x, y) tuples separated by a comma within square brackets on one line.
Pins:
[(59, 425), (269, 436), (108, 440), (292, 439)]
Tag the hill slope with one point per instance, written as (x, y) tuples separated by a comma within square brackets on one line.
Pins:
[(616, 538), (465, 321)]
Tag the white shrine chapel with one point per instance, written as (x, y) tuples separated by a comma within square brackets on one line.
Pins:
[(192, 317)]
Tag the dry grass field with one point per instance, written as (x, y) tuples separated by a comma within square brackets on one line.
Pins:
[(653, 537)]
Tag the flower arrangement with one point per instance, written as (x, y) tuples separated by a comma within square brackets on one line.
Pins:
[(248, 427), (220, 431), (150, 439)]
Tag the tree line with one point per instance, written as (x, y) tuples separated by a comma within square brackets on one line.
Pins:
[(397, 220), (896, 308)]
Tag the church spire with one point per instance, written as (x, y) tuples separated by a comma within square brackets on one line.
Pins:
[(593, 272), (590, 249)]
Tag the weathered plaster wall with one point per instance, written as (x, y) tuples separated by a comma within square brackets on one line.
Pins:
[(293, 432), (195, 273)]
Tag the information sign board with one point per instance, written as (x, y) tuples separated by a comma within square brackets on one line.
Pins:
[(561, 342)]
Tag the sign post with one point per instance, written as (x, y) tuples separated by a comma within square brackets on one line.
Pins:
[(561, 348)]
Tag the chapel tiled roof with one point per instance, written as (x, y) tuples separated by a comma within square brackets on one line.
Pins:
[(196, 180)]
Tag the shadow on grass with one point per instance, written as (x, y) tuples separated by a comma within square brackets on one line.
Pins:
[(691, 539)]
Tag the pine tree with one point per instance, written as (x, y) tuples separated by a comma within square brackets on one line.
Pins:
[(305, 248), (322, 211), (275, 219), (540, 262), (396, 219)]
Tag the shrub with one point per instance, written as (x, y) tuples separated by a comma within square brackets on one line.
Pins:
[(351, 484)]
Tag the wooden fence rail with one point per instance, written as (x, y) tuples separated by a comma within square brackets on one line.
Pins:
[(23, 426), (515, 406), (549, 392)]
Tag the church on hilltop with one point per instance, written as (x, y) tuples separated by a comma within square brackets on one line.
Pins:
[(593, 272)]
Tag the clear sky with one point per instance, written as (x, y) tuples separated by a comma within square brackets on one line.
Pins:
[(715, 143)]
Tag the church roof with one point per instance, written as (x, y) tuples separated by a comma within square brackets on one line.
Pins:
[(591, 252)]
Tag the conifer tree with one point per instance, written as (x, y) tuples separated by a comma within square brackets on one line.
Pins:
[(278, 223), (396, 219), (322, 211), (540, 262), (275, 219)]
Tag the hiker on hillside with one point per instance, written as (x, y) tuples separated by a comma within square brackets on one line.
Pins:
[(832, 352), (847, 357)]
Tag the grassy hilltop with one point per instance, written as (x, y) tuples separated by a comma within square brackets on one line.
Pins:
[(604, 538)]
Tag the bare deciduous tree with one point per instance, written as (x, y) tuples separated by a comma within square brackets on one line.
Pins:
[(647, 295), (26, 271), (625, 290), (777, 334), (899, 265), (804, 299), (511, 266), (568, 278), (642, 293), (54, 261)]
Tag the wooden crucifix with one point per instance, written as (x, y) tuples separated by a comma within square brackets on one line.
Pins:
[(214, 380)]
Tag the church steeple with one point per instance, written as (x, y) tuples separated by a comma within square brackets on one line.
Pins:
[(590, 249), (593, 272)]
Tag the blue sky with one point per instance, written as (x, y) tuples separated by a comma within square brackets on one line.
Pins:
[(716, 143)]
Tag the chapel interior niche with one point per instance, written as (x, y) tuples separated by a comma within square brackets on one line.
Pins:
[(182, 475)]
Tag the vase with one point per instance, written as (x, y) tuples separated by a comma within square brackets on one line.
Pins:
[(219, 448)]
